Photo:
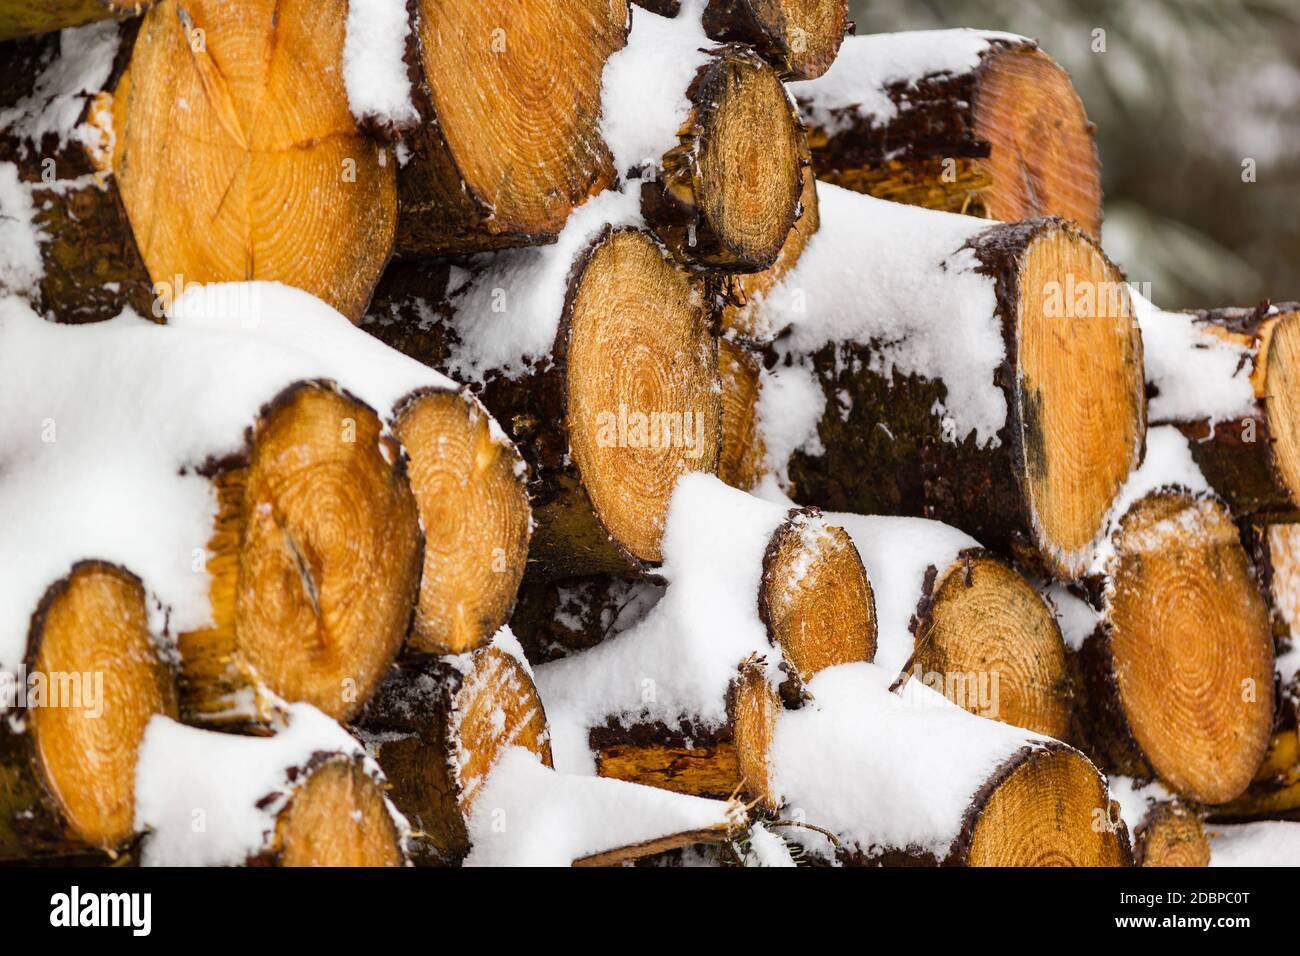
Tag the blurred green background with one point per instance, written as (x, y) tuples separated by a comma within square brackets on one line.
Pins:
[(1184, 92)]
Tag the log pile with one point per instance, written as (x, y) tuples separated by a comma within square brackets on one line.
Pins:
[(509, 433)]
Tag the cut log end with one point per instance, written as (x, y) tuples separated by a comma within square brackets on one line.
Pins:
[(95, 623), (815, 597), (1171, 835), (799, 37), (740, 462), (1199, 710), (474, 508), (984, 620), (755, 707), (730, 190), (642, 396), (339, 817), (1282, 401), (1042, 159), (315, 564), (1043, 812), (237, 156), (30, 17), (1080, 392)]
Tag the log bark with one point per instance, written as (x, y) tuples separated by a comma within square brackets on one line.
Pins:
[(1247, 448), (800, 39), (1033, 474), (20, 18), (998, 133), (69, 740), (622, 396), (557, 619), (1171, 834), (262, 173), (1159, 698)]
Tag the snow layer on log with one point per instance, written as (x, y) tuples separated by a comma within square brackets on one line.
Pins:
[(21, 266), (374, 64), (848, 760), (789, 408), (229, 777), (1266, 843), (902, 280), (107, 424), (1076, 618), (530, 815), (643, 87), (678, 662), (1136, 799), (1197, 375), (508, 311), (857, 86)]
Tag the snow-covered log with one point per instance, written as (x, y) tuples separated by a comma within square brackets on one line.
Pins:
[(759, 598), (906, 777), (988, 376), (1224, 377), (1165, 831), (1178, 667), (90, 679), (966, 121), (120, 431), (798, 37), (20, 18), (597, 353), (306, 796)]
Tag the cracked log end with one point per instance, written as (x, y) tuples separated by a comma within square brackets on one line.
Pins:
[(474, 507), (315, 561), (984, 619), (237, 156), (338, 817), (1079, 391), (643, 407), (1190, 645)]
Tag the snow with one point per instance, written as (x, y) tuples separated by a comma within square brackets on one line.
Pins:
[(643, 87), (60, 93), (1197, 375), (856, 87), (107, 424), (901, 280), (530, 815), (1076, 618), (882, 770), (507, 315), (1136, 799), (374, 63), (789, 408), (675, 665), (203, 795), (767, 849), (21, 267), (1266, 843)]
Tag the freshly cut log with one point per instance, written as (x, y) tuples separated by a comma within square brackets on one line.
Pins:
[(741, 457), (68, 246), (513, 144), (713, 139), (798, 37), (908, 778), (984, 124), (306, 796), (20, 18), (1159, 698), (237, 157), (760, 597), (90, 681), (987, 376), (1274, 793), (596, 354), (1225, 378), (1165, 830), (961, 621)]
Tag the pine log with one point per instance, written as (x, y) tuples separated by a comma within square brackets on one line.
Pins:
[(798, 37), (983, 124), (596, 354), (986, 376), (236, 155), (70, 250), (741, 459), (1274, 793), (91, 680), (1224, 378), (1178, 675), (1166, 831), (20, 18), (511, 142), (759, 599), (907, 778), (306, 796)]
